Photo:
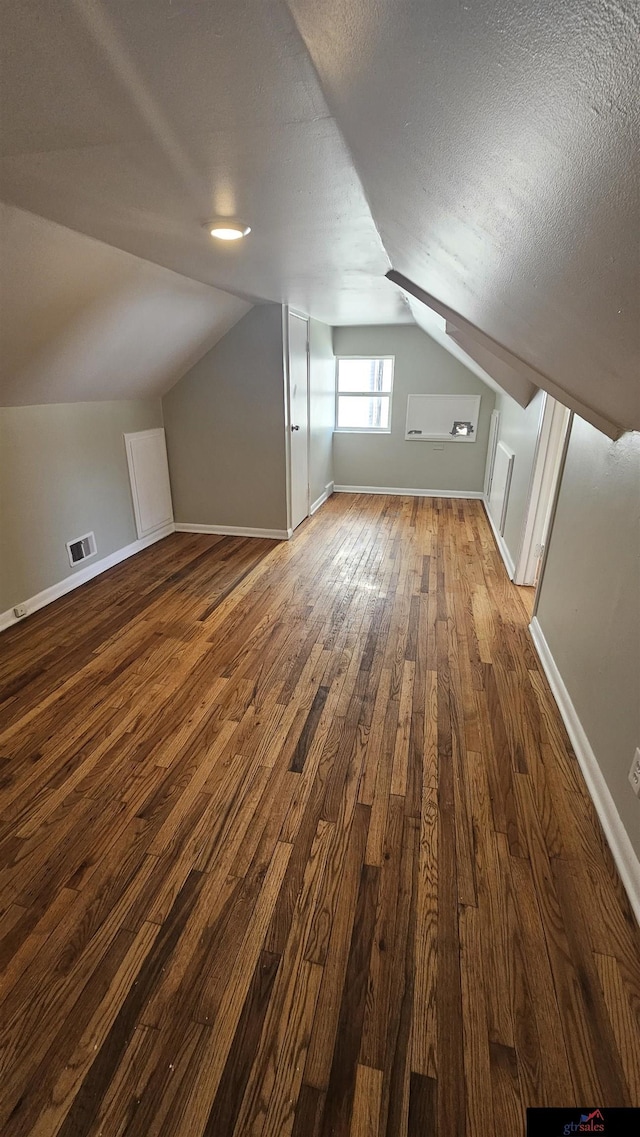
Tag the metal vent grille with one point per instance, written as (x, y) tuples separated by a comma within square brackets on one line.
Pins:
[(81, 548)]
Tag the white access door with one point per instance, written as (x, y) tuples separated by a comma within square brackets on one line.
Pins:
[(501, 485), (299, 417), (149, 477)]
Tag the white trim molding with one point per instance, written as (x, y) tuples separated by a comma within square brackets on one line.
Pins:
[(509, 563), (408, 492), (233, 531), (545, 480), (624, 855), (321, 500), (55, 591)]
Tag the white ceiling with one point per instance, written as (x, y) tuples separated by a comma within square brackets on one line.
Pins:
[(488, 151), (498, 143), (146, 119), (82, 321)]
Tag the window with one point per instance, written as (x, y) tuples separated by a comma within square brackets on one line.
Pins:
[(363, 394)]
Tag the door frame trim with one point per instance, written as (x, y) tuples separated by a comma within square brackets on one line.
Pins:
[(288, 311), (553, 429)]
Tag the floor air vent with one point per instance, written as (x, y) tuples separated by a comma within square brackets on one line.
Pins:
[(81, 549)]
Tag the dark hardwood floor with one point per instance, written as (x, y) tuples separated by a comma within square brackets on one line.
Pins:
[(294, 843)]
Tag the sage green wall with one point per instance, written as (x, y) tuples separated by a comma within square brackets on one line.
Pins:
[(225, 428), (589, 602), (322, 402), (387, 460), (63, 473), (519, 429)]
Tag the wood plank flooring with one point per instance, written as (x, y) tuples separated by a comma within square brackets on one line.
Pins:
[(294, 843)]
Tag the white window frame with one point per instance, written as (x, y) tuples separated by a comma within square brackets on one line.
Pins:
[(365, 395)]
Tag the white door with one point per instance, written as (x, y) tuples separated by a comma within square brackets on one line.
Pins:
[(149, 476), (299, 417)]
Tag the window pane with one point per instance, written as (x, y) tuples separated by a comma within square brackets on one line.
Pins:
[(355, 413), (364, 374)]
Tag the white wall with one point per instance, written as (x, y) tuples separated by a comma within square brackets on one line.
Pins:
[(322, 367), (388, 460), (589, 602), (63, 473), (519, 429), (225, 427)]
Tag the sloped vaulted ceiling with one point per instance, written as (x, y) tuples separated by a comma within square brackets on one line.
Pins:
[(486, 150), (81, 321), (498, 143), (136, 122)]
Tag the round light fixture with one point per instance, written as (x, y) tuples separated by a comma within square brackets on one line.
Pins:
[(224, 230)]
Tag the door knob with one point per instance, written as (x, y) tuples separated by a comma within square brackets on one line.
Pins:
[(295, 428)]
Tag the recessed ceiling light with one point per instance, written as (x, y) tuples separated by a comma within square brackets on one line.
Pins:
[(224, 230)]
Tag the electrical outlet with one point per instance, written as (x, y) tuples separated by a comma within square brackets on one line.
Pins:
[(634, 773), (19, 611)]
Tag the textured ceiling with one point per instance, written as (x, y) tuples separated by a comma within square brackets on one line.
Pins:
[(148, 118), (82, 321), (498, 144), (487, 151)]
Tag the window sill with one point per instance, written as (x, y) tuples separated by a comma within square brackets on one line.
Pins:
[(359, 430)]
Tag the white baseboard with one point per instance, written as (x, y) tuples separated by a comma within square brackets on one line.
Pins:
[(500, 542), (321, 500), (48, 595), (623, 852), (407, 492), (233, 531)]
